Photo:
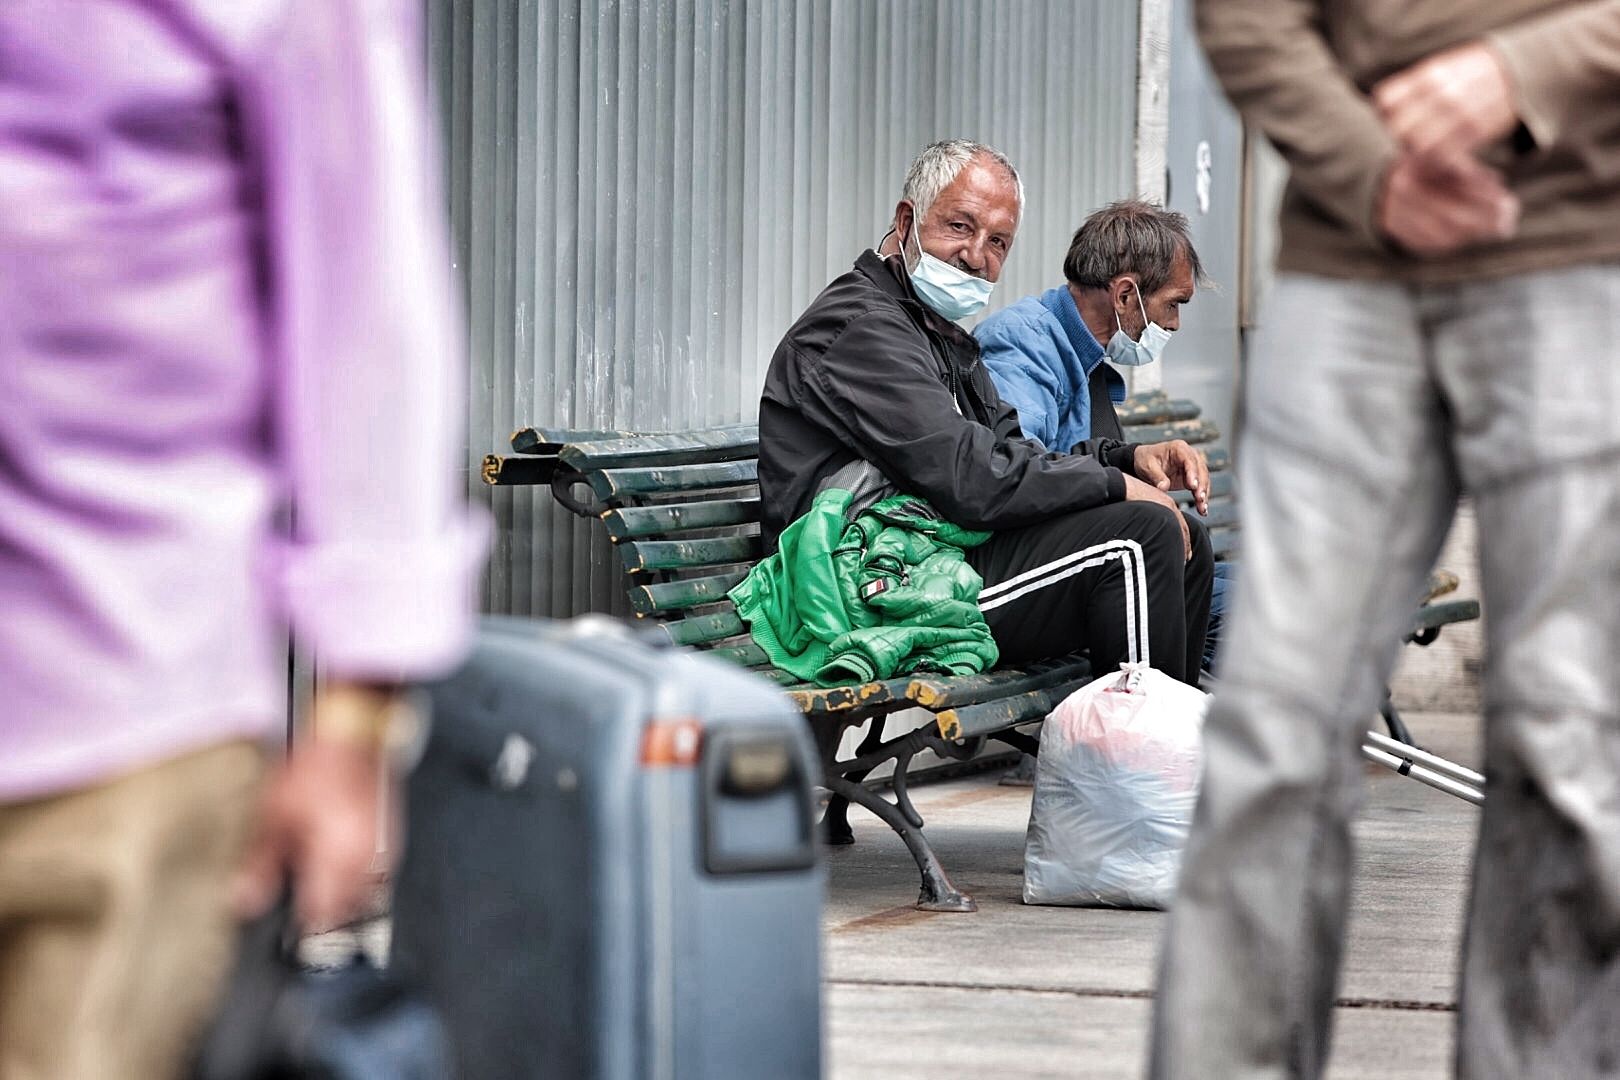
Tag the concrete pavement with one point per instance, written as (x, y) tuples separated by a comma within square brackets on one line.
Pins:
[(1016, 992)]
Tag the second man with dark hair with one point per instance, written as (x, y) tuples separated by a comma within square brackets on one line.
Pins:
[(1129, 269)]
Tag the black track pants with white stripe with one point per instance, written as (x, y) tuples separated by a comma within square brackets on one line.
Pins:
[(1111, 580)]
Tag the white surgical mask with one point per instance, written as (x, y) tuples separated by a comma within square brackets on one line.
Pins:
[(953, 293), (1145, 349)]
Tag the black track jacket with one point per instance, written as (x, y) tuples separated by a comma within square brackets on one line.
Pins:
[(869, 371)]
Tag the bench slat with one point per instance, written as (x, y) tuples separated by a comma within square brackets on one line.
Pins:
[(729, 443), (1155, 409), (1220, 486), (745, 654), (989, 717), (1224, 542), (1219, 459), (625, 483), (778, 676), (825, 701), (701, 629), (1194, 431), (940, 692), (1223, 514), (630, 522), (1430, 616), (544, 440), (680, 595), (690, 554)]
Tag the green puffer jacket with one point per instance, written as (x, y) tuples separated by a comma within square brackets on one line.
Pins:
[(890, 593)]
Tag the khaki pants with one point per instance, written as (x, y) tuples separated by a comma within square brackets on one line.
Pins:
[(1371, 406), (115, 927)]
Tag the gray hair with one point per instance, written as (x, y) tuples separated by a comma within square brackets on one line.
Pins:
[(1131, 236), (941, 163)]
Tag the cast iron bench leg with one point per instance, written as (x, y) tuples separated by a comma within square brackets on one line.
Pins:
[(937, 894)]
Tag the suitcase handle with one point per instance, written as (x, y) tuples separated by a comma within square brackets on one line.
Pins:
[(745, 771)]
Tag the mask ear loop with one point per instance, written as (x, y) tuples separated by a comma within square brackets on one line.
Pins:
[(1119, 323), (884, 237), (1141, 305), (896, 232)]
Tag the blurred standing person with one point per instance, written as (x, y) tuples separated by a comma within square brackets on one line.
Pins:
[(223, 291), (1446, 318)]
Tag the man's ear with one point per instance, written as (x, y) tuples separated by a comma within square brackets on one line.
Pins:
[(1122, 291), (904, 220)]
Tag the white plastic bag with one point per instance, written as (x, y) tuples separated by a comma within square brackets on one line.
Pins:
[(1115, 786)]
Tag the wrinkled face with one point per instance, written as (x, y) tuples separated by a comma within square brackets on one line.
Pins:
[(971, 225), (1163, 306)]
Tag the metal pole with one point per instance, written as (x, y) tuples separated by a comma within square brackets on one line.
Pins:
[(1405, 765), (1423, 757)]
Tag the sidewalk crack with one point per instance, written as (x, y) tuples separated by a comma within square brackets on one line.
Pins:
[(1389, 1004)]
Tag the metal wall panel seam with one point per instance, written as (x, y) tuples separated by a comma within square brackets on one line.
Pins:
[(505, 382), (596, 169), (556, 86), (525, 67)]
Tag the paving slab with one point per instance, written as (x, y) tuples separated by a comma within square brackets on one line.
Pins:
[(914, 1033), (1016, 991)]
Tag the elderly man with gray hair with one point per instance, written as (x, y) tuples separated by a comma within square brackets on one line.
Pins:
[(1086, 552), (1129, 269)]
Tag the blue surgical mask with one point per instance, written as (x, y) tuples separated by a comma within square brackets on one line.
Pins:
[(1145, 349), (953, 293)]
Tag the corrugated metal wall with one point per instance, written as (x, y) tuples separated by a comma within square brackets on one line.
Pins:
[(644, 195), (1204, 171)]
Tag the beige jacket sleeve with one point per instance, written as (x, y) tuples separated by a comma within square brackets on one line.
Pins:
[(1275, 64), (1562, 64)]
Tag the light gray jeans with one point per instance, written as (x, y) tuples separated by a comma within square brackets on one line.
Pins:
[(1371, 407)]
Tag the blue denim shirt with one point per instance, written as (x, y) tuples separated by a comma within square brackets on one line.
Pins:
[(1041, 356)]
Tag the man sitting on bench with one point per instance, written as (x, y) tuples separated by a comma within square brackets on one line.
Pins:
[(1130, 268), (1088, 553)]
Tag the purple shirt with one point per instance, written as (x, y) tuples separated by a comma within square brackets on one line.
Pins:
[(223, 290)]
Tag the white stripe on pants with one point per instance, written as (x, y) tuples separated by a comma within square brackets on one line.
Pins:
[(1129, 552)]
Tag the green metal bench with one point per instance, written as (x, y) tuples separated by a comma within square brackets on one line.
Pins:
[(682, 511)]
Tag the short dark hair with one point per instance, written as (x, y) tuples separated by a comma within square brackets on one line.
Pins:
[(1132, 236)]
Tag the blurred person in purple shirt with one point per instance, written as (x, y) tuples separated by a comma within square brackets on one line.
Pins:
[(223, 293)]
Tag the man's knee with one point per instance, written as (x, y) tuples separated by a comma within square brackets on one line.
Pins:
[(1203, 549), (1153, 525)]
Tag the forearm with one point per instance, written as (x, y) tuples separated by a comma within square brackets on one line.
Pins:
[(980, 482), (1112, 452), (1561, 64), (1275, 64), (970, 476), (377, 573), (368, 717), (1013, 489)]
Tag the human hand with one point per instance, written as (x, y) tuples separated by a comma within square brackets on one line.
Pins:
[(1172, 465), (1137, 491), (318, 818), (1448, 105), (1434, 209)]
